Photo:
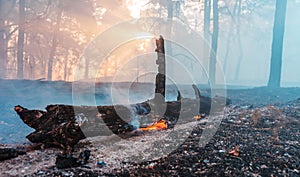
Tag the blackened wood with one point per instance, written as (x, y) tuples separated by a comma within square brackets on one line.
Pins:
[(56, 127), (59, 125), (67, 161), (64, 125), (160, 82), (8, 153)]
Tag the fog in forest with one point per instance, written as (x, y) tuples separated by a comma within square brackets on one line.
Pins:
[(114, 41)]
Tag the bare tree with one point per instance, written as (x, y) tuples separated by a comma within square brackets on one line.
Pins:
[(206, 25), (2, 42), (21, 39), (6, 9), (214, 43), (238, 34), (169, 52), (277, 44), (54, 43), (85, 26), (230, 34)]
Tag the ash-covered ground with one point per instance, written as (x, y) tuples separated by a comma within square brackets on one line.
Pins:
[(259, 136)]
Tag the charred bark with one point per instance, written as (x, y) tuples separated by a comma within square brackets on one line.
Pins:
[(60, 126), (56, 127), (64, 125), (8, 153), (160, 83)]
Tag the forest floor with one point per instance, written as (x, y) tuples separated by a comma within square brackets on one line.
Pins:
[(259, 135)]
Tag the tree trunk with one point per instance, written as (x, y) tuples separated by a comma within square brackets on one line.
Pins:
[(277, 44), (238, 34), (168, 44), (21, 39), (54, 44), (66, 68), (206, 26), (3, 47), (86, 71), (206, 32), (214, 43), (160, 83), (228, 46), (2, 41)]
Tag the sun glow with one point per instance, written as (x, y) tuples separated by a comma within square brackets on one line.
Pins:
[(135, 6)]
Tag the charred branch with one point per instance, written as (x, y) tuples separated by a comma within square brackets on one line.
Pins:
[(8, 153)]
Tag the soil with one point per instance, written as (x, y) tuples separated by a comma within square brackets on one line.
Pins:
[(259, 135)]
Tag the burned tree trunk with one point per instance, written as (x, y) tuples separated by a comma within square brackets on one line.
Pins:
[(160, 83), (61, 126)]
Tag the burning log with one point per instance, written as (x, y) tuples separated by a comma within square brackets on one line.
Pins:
[(59, 125), (111, 117)]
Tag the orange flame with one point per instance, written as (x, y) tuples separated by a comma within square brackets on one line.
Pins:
[(160, 125)]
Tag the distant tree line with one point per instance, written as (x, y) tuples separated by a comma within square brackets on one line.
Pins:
[(45, 38)]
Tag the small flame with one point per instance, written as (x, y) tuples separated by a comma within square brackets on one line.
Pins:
[(160, 125)]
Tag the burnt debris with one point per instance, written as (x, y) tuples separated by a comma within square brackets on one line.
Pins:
[(68, 161), (59, 126), (56, 127), (8, 153)]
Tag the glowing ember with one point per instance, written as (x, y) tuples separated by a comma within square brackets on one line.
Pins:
[(235, 151), (160, 125), (198, 117)]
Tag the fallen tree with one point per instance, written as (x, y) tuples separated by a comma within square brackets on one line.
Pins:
[(65, 125)]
